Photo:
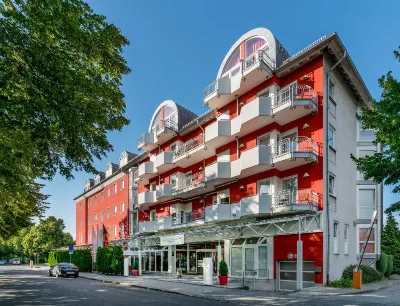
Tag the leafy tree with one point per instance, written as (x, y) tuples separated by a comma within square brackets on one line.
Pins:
[(391, 241), (384, 117), (61, 70)]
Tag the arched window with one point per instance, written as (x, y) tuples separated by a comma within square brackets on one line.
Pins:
[(166, 113), (253, 44), (232, 61)]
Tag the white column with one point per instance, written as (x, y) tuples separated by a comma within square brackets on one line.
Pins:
[(300, 259), (187, 257), (126, 266), (218, 257), (171, 259), (140, 262), (227, 245)]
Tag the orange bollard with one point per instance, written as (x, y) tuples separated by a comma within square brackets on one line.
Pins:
[(357, 279)]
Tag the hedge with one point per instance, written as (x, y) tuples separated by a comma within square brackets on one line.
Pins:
[(382, 263), (369, 275), (110, 260), (341, 283), (389, 269), (80, 258)]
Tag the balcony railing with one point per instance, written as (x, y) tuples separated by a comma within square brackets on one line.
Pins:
[(167, 123), (190, 181), (141, 139), (292, 93), (210, 89), (296, 144), (188, 146), (188, 217), (258, 56), (286, 198)]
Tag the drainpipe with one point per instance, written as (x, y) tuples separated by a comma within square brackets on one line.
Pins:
[(237, 105), (237, 147), (326, 162), (204, 134)]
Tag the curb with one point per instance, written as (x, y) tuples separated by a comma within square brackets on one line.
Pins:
[(162, 290)]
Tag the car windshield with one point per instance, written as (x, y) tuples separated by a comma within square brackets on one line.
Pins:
[(67, 265)]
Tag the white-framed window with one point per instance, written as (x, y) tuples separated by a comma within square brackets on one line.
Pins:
[(264, 186), (153, 215), (362, 235), (95, 218), (346, 239), (102, 196), (94, 200), (222, 197), (88, 203), (331, 185), (290, 183), (80, 206), (223, 156), (365, 134), (122, 229), (263, 140), (108, 213), (331, 89), (331, 137), (80, 222), (108, 192), (366, 201), (173, 180), (122, 208), (102, 215), (115, 210), (335, 237), (115, 231), (80, 237), (332, 107), (363, 152), (122, 185), (115, 188)]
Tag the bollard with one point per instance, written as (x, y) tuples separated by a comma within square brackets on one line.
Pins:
[(357, 279)]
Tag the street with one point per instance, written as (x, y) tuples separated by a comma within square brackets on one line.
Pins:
[(20, 285)]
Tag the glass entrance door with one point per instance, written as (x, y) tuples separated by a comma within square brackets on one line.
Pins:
[(249, 261), (204, 254)]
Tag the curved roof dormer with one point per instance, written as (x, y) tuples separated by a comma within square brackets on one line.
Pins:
[(89, 184), (172, 115), (111, 168), (125, 157)]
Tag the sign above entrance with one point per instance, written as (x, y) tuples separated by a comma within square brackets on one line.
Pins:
[(172, 240), (130, 253)]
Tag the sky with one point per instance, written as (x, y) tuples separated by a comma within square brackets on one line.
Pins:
[(177, 46)]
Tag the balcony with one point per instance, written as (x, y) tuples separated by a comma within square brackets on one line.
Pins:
[(253, 116), (218, 171), (192, 218), (291, 201), (291, 153), (249, 73), (164, 223), (294, 102), (218, 129), (147, 198), (256, 205), (218, 212), (164, 161), (190, 186), (164, 192), (146, 142), (160, 133), (190, 152), (252, 161), (147, 227), (144, 172)]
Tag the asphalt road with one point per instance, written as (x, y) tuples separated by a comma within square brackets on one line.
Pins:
[(20, 285)]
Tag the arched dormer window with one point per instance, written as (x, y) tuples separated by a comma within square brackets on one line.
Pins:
[(253, 44), (166, 116), (108, 169), (233, 60), (123, 159)]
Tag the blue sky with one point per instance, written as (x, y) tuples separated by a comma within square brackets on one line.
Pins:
[(177, 47)]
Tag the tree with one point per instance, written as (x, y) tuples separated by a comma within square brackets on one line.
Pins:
[(61, 70), (391, 241), (384, 117)]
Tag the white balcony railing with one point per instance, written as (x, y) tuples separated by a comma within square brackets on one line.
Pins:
[(186, 147), (258, 56), (188, 217), (286, 199), (189, 182), (291, 94), (167, 123), (296, 144)]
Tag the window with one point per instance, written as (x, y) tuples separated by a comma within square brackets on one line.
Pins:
[(173, 180), (335, 237), (362, 235), (223, 197), (233, 60), (122, 208), (108, 213), (102, 196), (365, 134), (108, 192), (332, 184), (173, 147), (364, 153), (122, 185), (102, 215), (88, 203), (331, 137), (80, 222), (153, 186), (153, 215), (115, 188), (346, 239), (122, 230), (366, 203), (95, 200), (263, 140), (80, 238), (80, 206), (95, 218), (332, 108), (264, 187), (115, 210), (331, 89), (115, 231), (290, 184), (89, 237)]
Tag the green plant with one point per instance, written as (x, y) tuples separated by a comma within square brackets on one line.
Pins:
[(382, 263), (369, 275), (135, 265), (389, 269), (341, 283), (223, 268)]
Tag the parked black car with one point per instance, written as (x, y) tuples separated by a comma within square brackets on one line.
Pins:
[(64, 269)]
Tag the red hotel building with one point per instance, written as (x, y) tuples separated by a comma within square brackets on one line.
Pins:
[(263, 179)]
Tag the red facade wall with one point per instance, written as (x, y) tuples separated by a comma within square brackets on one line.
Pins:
[(285, 247)]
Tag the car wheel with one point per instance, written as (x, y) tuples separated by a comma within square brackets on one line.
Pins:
[(75, 276), (57, 275), (50, 274)]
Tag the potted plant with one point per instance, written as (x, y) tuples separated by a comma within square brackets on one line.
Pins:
[(135, 268), (223, 273)]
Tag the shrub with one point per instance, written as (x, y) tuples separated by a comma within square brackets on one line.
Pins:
[(389, 269), (223, 268), (52, 259), (369, 275), (109, 260), (341, 283), (382, 263), (135, 265), (81, 258)]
